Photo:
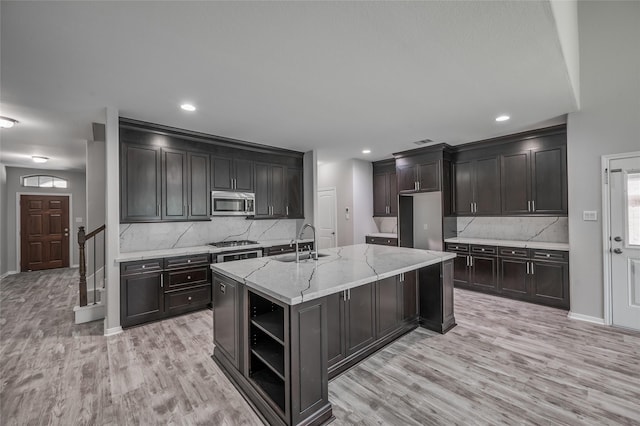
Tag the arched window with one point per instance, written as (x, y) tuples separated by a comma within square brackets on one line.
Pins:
[(43, 181)]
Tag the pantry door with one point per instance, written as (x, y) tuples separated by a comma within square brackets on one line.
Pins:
[(44, 232), (625, 241)]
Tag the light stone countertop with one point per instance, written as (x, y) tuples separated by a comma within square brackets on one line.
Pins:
[(511, 243), (383, 235), (343, 268), (184, 251)]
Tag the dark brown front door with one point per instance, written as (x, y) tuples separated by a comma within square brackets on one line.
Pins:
[(44, 232)]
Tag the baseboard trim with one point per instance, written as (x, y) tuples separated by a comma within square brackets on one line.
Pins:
[(77, 265), (6, 274), (112, 331), (586, 318)]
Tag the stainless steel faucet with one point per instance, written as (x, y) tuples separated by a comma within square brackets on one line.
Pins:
[(313, 254)]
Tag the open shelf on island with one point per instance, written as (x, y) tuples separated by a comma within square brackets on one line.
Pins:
[(272, 323), (269, 351), (268, 381)]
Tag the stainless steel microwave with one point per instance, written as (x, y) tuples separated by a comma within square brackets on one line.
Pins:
[(227, 203)]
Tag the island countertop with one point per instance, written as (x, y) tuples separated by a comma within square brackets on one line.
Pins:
[(340, 269)]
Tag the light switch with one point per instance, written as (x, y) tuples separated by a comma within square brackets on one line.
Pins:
[(590, 215), (78, 220), (425, 226)]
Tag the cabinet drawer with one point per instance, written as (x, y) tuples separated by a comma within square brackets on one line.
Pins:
[(558, 256), (141, 266), (457, 247), (486, 250), (182, 261), (271, 251), (184, 300), (514, 252), (382, 241), (187, 277)]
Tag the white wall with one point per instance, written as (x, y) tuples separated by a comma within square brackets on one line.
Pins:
[(96, 208), (565, 13), (4, 267), (76, 187), (608, 123), (340, 176), (363, 223)]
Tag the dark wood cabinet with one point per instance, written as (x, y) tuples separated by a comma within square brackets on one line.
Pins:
[(295, 201), (160, 288), (535, 182), (409, 282), (389, 305), (140, 183), (336, 344), (231, 173), (385, 189), (483, 272), (383, 241), (361, 317), (141, 292), (199, 199), (420, 177), (270, 190), (475, 267), (174, 184), (435, 297), (226, 317), (476, 189)]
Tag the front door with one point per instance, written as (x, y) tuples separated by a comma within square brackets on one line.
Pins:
[(44, 232), (327, 218), (625, 242)]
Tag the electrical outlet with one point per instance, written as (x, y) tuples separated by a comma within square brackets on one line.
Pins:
[(78, 220), (590, 215), (425, 226)]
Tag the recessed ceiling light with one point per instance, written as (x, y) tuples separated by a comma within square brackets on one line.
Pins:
[(366, 151), (502, 118), (39, 159), (188, 107), (7, 123)]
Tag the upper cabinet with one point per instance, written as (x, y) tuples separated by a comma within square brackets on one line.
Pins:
[(385, 189), (168, 174), (476, 189), (232, 174), (419, 175)]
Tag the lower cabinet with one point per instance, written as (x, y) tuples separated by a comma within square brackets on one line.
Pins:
[(383, 241), (226, 317), (360, 308), (160, 288), (533, 275)]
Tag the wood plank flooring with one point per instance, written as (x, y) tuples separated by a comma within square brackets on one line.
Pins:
[(506, 362)]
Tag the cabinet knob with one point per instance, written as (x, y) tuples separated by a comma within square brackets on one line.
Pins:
[(189, 298), (144, 266), (482, 249), (188, 260), (188, 277), (513, 252)]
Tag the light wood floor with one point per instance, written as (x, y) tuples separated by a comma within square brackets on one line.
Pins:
[(506, 362)]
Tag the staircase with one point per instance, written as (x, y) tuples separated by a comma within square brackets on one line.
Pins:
[(91, 307)]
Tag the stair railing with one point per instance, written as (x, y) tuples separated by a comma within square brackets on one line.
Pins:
[(82, 239)]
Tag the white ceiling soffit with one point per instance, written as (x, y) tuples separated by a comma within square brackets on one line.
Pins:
[(335, 76)]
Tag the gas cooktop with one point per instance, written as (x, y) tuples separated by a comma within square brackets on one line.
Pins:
[(237, 243)]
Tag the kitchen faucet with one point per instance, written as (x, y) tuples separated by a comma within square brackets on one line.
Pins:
[(313, 254)]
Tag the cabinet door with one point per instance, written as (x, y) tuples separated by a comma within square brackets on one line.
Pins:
[(388, 301), (429, 177), (513, 279), (141, 298), (226, 317), (140, 188), (393, 194), (262, 186), (278, 191), (361, 319), (486, 186), (221, 173), (295, 201), (174, 184), (243, 174), (410, 296), (462, 188), (483, 272), (516, 195), (380, 199), (550, 283), (199, 197), (549, 181), (406, 178), (461, 271), (335, 328)]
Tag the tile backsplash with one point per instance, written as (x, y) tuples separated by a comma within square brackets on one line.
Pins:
[(387, 224), (166, 235), (553, 229)]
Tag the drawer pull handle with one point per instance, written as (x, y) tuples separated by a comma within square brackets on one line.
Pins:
[(188, 277), (189, 261), (548, 255), (482, 249), (144, 266), (189, 298), (513, 252)]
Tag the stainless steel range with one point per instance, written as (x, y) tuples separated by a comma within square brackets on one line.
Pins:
[(235, 250)]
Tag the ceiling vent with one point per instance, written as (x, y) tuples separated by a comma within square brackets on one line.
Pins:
[(423, 142)]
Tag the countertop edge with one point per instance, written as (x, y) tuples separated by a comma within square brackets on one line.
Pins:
[(541, 245)]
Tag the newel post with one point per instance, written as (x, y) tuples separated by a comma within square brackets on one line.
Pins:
[(83, 267)]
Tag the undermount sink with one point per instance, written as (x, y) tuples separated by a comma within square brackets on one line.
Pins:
[(291, 257)]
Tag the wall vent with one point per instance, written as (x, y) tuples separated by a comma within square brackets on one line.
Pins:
[(423, 142)]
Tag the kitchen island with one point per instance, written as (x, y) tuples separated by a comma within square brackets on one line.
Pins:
[(282, 329)]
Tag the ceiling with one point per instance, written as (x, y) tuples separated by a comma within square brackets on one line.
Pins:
[(333, 76)]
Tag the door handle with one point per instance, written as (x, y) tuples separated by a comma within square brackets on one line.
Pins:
[(529, 206), (533, 205), (617, 251), (618, 239), (222, 288), (161, 280), (344, 295), (287, 210)]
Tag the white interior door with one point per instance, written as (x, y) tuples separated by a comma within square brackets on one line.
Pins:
[(327, 218), (625, 242)]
